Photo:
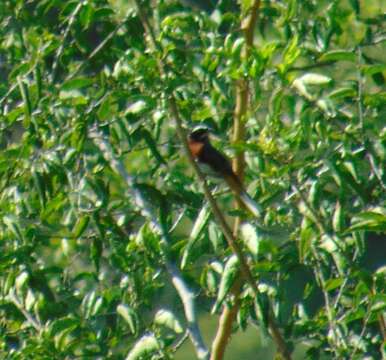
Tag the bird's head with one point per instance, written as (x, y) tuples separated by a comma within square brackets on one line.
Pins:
[(200, 135)]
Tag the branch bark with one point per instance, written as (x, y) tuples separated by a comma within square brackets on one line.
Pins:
[(227, 318), (229, 313), (242, 89)]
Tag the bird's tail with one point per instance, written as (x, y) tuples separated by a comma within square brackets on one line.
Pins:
[(244, 197)]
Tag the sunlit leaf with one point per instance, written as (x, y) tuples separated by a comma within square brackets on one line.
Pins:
[(129, 316), (368, 220), (144, 347), (250, 238), (167, 318)]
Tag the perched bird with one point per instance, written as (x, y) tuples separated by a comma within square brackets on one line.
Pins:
[(213, 162)]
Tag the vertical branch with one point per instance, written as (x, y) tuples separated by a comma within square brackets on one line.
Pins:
[(227, 318), (242, 89), (229, 313)]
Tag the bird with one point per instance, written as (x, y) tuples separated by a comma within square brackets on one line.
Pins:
[(212, 162)]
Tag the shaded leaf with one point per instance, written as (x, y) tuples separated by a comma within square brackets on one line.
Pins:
[(231, 269)]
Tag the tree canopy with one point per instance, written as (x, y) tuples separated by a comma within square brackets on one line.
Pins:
[(114, 245)]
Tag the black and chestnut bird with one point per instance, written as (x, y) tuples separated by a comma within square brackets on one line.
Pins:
[(213, 162)]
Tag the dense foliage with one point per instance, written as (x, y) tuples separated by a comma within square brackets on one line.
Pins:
[(89, 254)]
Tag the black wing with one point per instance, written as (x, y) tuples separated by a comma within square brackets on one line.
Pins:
[(218, 162)]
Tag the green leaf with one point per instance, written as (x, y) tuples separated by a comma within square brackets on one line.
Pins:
[(314, 79), (26, 98), (104, 13), (215, 236), (13, 225), (338, 218), (152, 146), (290, 54), (198, 227), (81, 226), (378, 303), (338, 55), (76, 84), (108, 108), (130, 317), (210, 280), (342, 93), (307, 237), (40, 187), (373, 69), (237, 47), (96, 250), (250, 237), (231, 269), (67, 323), (167, 318), (262, 308), (355, 5), (137, 107), (343, 177), (245, 5), (368, 220), (143, 349), (332, 284), (21, 280)]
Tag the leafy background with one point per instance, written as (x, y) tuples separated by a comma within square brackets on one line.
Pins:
[(82, 268)]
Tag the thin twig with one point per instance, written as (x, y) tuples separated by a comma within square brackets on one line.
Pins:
[(311, 66), (345, 281), (30, 318), (331, 315), (71, 20), (318, 271), (97, 49), (365, 322), (180, 341)]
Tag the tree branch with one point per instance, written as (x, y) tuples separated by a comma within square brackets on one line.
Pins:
[(242, 89), (232, 242), (227, 318), (185, 293), (229, 314)]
